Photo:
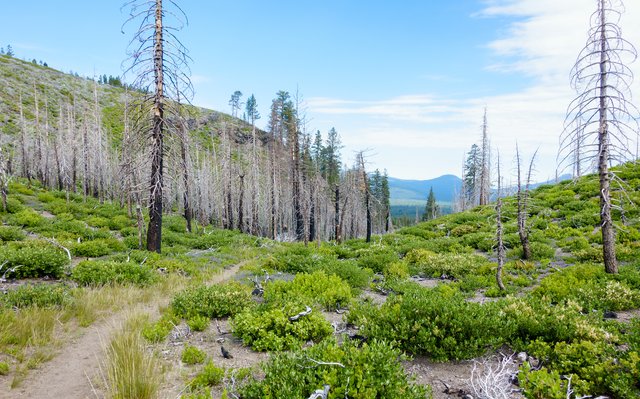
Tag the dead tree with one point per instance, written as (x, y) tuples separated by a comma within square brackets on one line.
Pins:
[(522, 198), (485, 168), (499, 231), (367, 194), (601, 117), (159, 62)]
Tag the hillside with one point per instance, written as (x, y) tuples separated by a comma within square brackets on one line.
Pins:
[(444, 188), (434, 296)]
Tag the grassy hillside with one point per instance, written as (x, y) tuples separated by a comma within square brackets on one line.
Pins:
[(55, 89)]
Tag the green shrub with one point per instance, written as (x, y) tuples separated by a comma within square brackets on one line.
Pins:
[(192, 355), (596, 368), (91, 249), (198, 323), (484, 241), (97, 221), (330, 292), (11, 233), (367, 373), (210, 375), (539, 251), (13, 205), (376, 259), (432, 264), (120, 222), (158, 331), (41, 295), (26, 218), (443, 326), (269, 329), (212, 301), (347, 270), (46, 197), (4, 368), (33, 258), (96, 273), (591, 288)]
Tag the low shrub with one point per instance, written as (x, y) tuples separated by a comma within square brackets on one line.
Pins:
[(198, 323), (4, 368), (430, 264), (443, 326), (33, 258), (41, 295), (347, 270), (330, 292), (367, 373), (211, 375), (158, 331), (376, 258), (11, 233), (97, 273), (192, 355), (269, 329), (212, 301), (26, 218)]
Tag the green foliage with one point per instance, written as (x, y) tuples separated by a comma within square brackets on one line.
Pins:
[(376, 258), (539, 251), (192, 355), (330, 292), (158, 331), (10, 233), (596, 368), (443, 326), (210, 375), (33, 258), (369, 372), (198, 323), (347, 270), (432, 264), (591, 288), (212, 301), (97, 273), (41, 295), (26, 218), (269, 329), (97, 248), (4, 368)]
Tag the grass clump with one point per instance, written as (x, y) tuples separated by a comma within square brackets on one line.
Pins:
[(4, 368), (132, 372)]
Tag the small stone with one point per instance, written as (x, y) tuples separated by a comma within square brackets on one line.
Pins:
[(522, 357)]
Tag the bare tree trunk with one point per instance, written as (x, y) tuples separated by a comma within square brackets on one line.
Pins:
[(499, 234), (312, 213), (337, 223), (241, 204), (522, 215), (188, 212), (23, 143), (85, 161), (608, 236), (154, 232), (484, 167)]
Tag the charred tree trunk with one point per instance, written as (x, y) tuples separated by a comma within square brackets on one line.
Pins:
[(337, 223), (154, 232)]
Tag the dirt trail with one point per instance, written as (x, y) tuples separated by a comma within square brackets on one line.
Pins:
[(73, 372)]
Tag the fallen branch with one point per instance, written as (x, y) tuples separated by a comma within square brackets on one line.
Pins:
[(301, 314), (57, 244), (321, 393)]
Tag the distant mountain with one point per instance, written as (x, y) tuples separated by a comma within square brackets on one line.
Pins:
[(444, 187)]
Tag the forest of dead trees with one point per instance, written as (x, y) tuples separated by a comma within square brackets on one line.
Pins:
[(284, 183)]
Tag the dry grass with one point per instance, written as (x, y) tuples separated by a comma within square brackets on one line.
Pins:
[(132, 372)]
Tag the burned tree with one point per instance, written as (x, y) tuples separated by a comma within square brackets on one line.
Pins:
[(522, 197), (159, 64), (601, 117)]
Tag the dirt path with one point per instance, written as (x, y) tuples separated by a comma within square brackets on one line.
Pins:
[(73, 372)]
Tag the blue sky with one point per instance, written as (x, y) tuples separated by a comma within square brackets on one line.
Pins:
[(407, 80)]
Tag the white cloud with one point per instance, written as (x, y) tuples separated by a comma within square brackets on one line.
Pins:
[(426, 132)]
